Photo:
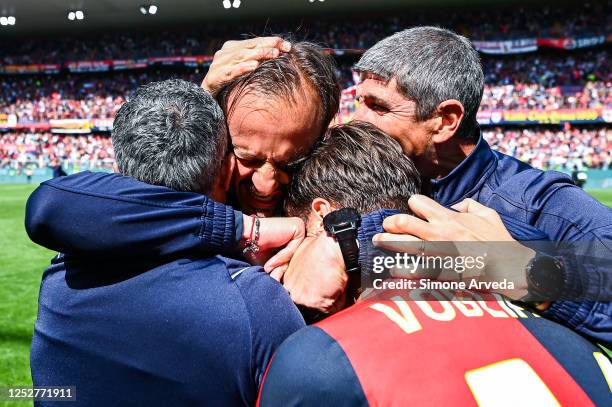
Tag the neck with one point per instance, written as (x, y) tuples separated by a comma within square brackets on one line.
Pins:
[(442, 158)]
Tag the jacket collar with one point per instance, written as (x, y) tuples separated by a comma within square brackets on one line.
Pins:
[(467, 177)]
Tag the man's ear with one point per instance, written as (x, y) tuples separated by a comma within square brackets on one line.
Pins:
[(228, 171), (321, 207), (449, 116), (115, 167), (318, 209), (220, 188)]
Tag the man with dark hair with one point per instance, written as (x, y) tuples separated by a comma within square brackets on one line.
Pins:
[(300, 84), (405, 346), (165, 329), (350, 167)]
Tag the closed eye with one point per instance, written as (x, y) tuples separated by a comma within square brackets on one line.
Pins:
[(251, 162), (375, 105)]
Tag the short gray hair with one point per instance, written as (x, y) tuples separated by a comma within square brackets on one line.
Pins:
[(430, 65), (171, 133)]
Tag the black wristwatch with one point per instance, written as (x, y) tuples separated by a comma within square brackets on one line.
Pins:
[(343, 224), (545, 278)]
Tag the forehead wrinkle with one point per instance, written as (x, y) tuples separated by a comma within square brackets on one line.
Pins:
[(282, 131), (258, 151), (373, 90), (304, 94)]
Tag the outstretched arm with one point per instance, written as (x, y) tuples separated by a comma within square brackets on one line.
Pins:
[(109, 216), (113, 216)]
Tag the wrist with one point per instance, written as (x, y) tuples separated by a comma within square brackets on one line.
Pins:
[(333, 248), (247, 225), (206, 86), (508, 263), (343, 225), (251, 243)]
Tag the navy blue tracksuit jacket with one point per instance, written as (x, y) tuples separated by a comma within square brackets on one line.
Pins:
[(185, 332), (112, 216)]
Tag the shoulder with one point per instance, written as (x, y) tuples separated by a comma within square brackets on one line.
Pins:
[(512, 176), (548, 200), (310, 368), (271, 313), (266, 300), (85, 180), (119, 187)]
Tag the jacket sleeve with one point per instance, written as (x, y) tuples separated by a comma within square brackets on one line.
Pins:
[(586, 307), (103, 215), (584, 227), (371, 224), (589, 274)]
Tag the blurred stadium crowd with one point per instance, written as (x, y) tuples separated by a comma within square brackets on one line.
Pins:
[(542, 147), (565, 148), (38, 150), (542, 80), (532, 82), (349, 32)]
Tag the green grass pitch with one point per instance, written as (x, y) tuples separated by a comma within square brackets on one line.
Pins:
[(21, 266)]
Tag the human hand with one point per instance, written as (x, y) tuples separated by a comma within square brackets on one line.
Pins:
[(238, 57), (285, 234), (316, 277), (438, 231), (433, 222)]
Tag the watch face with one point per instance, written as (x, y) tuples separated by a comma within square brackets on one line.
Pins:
[(546, 277), (339, 217)]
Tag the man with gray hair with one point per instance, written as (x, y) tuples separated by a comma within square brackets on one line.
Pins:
[(423, 86), (172, 329), (173, 134)]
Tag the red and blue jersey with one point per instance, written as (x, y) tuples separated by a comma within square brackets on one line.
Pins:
[(430, 351)]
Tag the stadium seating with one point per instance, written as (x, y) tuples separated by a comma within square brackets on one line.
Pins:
[(533, 89)]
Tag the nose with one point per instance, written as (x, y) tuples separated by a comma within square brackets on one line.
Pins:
[(265, 179)]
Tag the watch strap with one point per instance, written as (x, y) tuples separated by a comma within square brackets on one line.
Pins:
[(347, 240)]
